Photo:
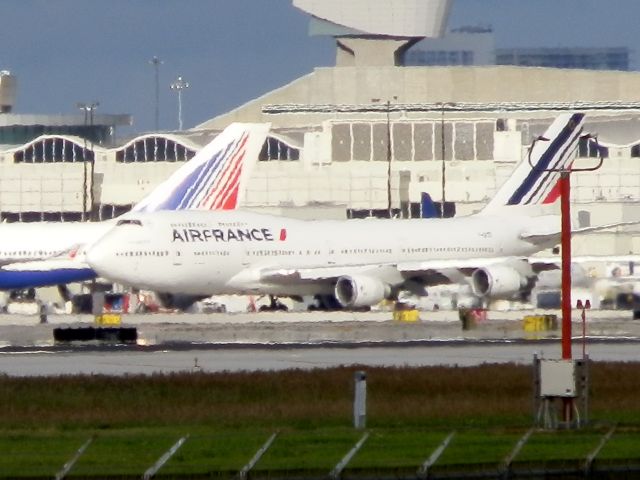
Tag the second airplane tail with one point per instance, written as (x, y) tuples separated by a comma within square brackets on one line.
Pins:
[(534, 181), (214, 178)]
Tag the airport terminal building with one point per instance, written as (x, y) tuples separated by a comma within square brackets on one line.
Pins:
[(365, 136)]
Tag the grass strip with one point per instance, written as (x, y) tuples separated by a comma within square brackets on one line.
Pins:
[(228, 416)]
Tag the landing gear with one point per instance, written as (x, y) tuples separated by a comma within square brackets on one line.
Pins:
[(24, 295), (65, 294), (275, 305)]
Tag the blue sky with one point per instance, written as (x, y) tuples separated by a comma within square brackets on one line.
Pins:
[(230, 51)]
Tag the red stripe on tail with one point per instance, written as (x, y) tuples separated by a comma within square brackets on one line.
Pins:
[(553, 195)]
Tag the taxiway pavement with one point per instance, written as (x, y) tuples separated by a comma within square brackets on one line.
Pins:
[(315, 328), (276, 341)]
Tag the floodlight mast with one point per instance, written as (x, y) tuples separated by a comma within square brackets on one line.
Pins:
[(442, 106), (565, 235), (156, 62), (87, 190), (179, 85)]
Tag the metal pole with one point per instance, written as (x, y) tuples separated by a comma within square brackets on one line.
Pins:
[(178, 86), (565, 212), (388, 159), (84, 169), (179, 109), (443, 162), (360, 400), (244, 472), (91, 164), (151, 471), (156, 62), (69, 465), (584, 334), (337, 471), (565, 235)]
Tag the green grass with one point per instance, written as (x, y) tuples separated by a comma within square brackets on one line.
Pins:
[(133, 451), (135, 419), (216, 452), (36, 453)]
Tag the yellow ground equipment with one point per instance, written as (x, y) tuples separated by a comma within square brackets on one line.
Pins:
[(109, 319), (540, 323), (405, 312)]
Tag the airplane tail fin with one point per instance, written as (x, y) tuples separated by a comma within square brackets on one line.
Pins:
[(427, 206), (214, 178), (533, 185)]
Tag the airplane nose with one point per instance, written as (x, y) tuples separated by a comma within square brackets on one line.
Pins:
[(100, 257)]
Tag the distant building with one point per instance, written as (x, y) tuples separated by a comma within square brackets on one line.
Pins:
[(475, 46), (7, 91), (465, 46), (612, 58), (17, 129)]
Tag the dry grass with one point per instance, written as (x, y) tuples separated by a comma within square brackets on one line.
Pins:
[(430, 396)]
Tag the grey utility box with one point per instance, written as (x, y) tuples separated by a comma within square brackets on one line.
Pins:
[(558, 378)]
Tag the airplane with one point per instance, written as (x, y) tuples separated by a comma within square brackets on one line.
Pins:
[(354, 263), (52, 253)]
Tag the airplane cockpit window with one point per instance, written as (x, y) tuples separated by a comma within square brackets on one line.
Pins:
[(127, 221)]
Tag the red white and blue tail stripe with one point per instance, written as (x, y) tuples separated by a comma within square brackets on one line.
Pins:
[(215, 177), (535, 183)]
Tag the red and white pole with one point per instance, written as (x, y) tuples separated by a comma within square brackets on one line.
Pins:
[(565, 236), (565, 215)]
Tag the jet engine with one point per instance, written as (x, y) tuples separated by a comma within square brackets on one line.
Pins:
[(360, 291), (497, 281), (179, 301)]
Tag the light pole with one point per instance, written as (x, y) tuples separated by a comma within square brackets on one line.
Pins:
[(389, 152), (88, 109), (179, 85), (442, 106), (156, 62), (389, 159), (565, 241)]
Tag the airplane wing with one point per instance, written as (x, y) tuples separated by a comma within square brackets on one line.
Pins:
[(288, 275), (499, 276), (428, 272), (539, 237)]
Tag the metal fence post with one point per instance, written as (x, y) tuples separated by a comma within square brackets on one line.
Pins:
[(163, 459), (69, 465), (360, 400)]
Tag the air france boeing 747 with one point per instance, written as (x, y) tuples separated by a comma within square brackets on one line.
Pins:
[(356, 262), (39, 254)]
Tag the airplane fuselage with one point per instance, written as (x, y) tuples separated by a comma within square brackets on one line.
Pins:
[(39, 240), (208, 253), (29, 243)]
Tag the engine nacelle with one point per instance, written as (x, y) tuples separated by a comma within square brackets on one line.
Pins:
[(177, 300), (497, 281), (360, 291)]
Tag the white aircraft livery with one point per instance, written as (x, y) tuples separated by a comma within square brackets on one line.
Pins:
[(52, 253), (354, 262)]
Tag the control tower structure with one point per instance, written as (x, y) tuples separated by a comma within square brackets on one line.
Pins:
[(375, 33)]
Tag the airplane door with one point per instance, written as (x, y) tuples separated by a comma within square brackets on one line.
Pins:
[(330, 253), (177, 258)]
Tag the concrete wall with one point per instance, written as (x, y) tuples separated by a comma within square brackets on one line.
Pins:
[(488, 84)]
